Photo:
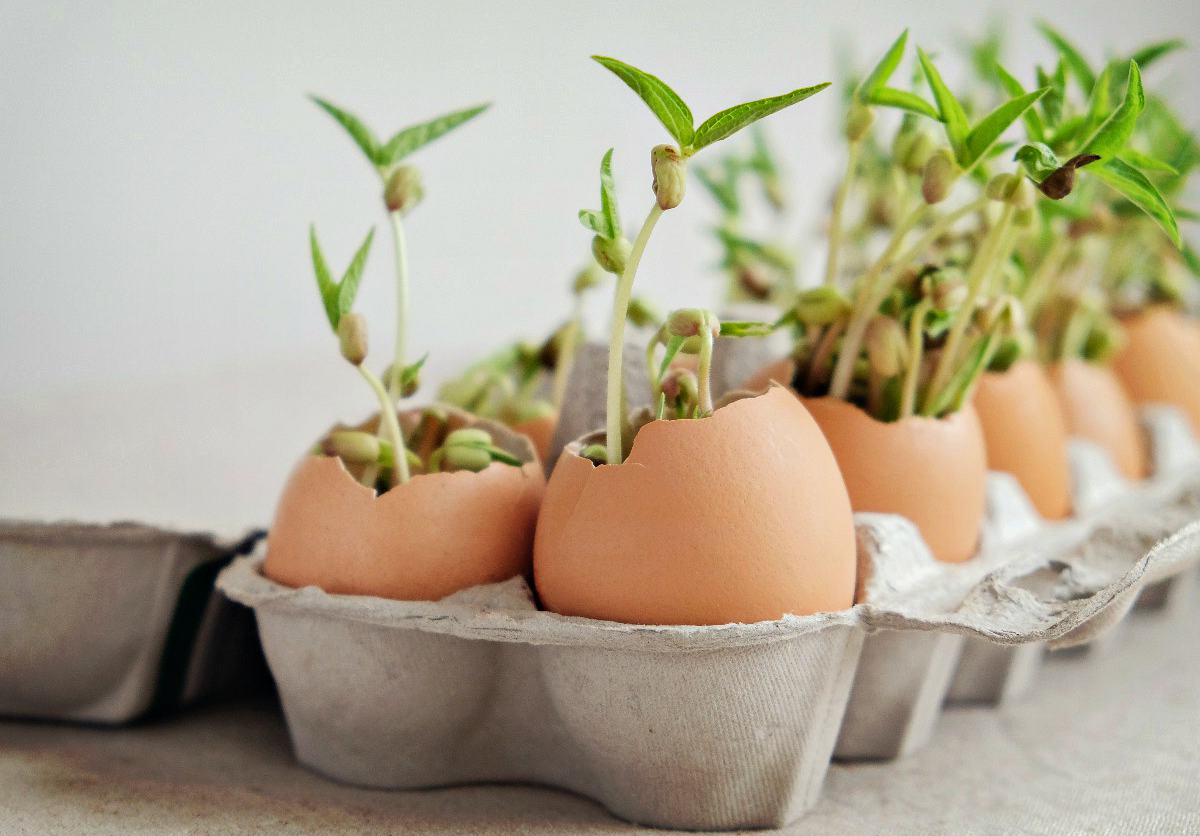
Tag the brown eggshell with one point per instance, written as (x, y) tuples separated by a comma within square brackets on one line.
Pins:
[(540, 431), (1097, 408), (1160, 361), (781, 372), (420, 541), (931, 470), (1026, 434), (739, 517)]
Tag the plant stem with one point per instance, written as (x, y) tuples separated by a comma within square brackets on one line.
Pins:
[(818, 365), (981, 268), (939, 228), (835, 219), (1044, 275), (388, 421), (616, 342), (401, 248), (704, 370), (566, 355), (870, 297), (916, 344)]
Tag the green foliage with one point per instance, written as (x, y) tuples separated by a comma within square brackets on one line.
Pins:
[(1138, 190), (606, 222), (338, 297)]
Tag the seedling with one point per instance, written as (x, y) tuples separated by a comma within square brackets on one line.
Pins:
[(669, 169)]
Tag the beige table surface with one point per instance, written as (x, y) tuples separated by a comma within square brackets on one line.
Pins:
[(1107, 742)]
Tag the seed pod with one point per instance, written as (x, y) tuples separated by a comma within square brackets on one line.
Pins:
[(1001, 187), (352, 446), (670, 175), (941, 172), (821, 306), (468, 436), (352, 337), (1061, 181), (887, 347), (1103, 340), (642, 314), (858, 121), (612, 253), (470, 458), (1010, 351), (753, 279), (587, 278), (917, 154), (689, 322), (404, 189), (596, 453), (948, 294), (1004, 315)]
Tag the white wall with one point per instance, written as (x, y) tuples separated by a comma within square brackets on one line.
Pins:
[(159, 166)]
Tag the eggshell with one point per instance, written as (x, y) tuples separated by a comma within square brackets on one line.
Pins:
[(1097, 408), (1160, 361), (1025, 434), (931, 470), (420, 541), (781, 371), (738, 517), (540, 431)]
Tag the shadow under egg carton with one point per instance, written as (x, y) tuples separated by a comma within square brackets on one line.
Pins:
[(716, 727), (110, 623)]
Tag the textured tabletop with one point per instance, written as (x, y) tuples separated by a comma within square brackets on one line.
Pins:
[(1106, 742)]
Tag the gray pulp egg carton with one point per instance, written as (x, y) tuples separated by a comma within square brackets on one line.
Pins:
[(716, 727), (107, 623)]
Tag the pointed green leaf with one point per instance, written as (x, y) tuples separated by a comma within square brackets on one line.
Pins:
[(1038, 159), (608, 196), (595, 222), (722, 191), (878, 77), (661, 99), (411, 138), (1192, 259), (1139, 191), (949, 110), (1052, 102), (1073, 57), (325, 284), (992, 126), (1099, 102), (1147, 55), (354, 126), (1067, 132), (903, 100), (1111, 137), (1033, 120), (1147, 163), (408, 375), (746, 329), (733, 119), (348, 286)]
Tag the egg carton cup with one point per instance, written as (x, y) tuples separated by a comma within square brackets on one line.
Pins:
[(109, 623), (716, 727)]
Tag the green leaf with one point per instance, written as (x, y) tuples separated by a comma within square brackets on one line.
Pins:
[(746, 329), (408, 375), (1099, 102), (1074, 59), (1138, 190), (661, 99), (326, 287), (606, 222), (878, 77), (1052, 104), (1191, 259), (673, 346), (992, 126), (724, 192), (411, 138), (904, 100), (949, 109), (1039, 160), (1064, 135), (1147, 55), (1185, 214), (348, 286), (1147, 163), (733, 119), (354, 126), (1033, 120), (1111, 137)]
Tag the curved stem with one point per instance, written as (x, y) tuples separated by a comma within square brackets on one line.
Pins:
[(1044, 275), (616, 341), (388, 420), (704, 371), (566, 355), (835, 219), (401, 248), (875, 285), (818, 366), (939, 228), (981, 268), (908, 397)]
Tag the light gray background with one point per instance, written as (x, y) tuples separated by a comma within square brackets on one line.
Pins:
[(164, 354)]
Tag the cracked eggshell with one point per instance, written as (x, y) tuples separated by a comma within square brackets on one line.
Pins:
[(931, 470), (1160, 360), (1097, 409), (540, 431), (420, 541), (738, 517), (1025, 434), (781, 371)]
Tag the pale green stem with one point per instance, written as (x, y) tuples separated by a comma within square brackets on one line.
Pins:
[(388, 420), (916, 345), (401, 248), (870, 297), (704, 370), (818, 365), (981, 268), (939, 228), (566, 355), (616, 342), (1045, 274), (835, 220)]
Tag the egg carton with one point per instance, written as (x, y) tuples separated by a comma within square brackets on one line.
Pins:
[(110, 623), (715, 727)]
